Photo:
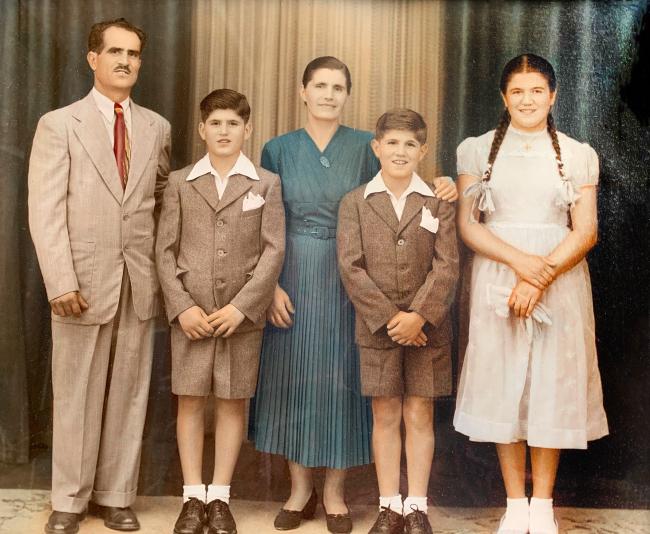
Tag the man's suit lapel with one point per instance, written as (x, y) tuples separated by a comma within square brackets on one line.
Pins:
[(91, 132), (414, 204), (142, 143), (237, 186), (381, 204)]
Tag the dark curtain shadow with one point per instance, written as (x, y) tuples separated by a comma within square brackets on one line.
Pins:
[(44, 67), (600, 53)]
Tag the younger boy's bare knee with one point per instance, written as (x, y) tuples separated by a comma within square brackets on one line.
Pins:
[(387, 412), (190, 404), (418, 413)]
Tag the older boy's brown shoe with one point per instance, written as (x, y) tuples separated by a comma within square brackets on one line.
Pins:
[(220, 520), (388, 522), (192, 518), (417, 522)]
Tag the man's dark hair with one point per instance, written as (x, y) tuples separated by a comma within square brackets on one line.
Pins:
[(96, 35)]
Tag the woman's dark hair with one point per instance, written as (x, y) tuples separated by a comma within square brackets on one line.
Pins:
[(524, 63), (326, 62)]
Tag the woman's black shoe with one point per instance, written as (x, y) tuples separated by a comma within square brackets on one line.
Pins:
[(339, 523), (290, 519)]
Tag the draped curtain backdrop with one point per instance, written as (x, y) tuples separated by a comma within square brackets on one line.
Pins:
[(261, 47)]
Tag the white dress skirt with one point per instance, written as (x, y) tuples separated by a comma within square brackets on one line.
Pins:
[(532, 379)]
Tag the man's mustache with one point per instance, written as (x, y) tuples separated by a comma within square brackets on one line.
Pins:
[(123, 68)]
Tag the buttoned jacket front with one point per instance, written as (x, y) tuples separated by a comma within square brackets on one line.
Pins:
[(210, 252), (389, 265)]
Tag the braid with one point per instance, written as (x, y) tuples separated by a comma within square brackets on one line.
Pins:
[(499, 134), (552, 131)]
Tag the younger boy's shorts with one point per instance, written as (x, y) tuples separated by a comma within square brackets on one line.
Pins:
[(397, 371), (224, 367)]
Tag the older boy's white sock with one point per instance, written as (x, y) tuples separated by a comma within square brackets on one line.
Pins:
[(515, 520), (196, 491), (394, 503), (411, 504), (219, 492)]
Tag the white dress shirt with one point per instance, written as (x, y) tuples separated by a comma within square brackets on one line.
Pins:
[(107, 108), (416, 185), (243, 166)]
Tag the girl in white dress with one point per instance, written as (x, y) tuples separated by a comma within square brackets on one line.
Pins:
[(530, 374)]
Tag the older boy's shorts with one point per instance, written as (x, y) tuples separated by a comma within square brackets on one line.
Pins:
[(417, 371), (224, 367)]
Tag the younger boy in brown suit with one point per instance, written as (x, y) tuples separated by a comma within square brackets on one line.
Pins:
[(219, 251), (399, 264)]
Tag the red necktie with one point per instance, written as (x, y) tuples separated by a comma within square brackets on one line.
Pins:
[(121, 145)]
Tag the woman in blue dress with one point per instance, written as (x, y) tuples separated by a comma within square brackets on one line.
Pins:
[(308, 406)]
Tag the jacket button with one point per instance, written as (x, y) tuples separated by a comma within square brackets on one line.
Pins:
[(400, 242), (219, 222), (221, 252), (125, 217)]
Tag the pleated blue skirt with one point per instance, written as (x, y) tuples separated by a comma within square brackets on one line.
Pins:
[(308, 405)]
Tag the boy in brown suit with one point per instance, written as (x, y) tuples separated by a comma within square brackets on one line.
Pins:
[(219, 250), (399, 264)]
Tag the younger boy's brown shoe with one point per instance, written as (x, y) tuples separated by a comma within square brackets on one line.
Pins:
[(192, 518), (417, 522), (388, 522), (220, 520)]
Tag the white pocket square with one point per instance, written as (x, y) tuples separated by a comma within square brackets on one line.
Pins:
[(252, 201), (429, 222)]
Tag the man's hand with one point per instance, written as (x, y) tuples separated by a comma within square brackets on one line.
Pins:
[(69, 304), (225, 320), (405, 328), (194, 322), (281, 308), (445, 188)]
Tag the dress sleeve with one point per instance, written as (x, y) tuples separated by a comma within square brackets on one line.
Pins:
[(586, 169), (468, 159), (269, 160)]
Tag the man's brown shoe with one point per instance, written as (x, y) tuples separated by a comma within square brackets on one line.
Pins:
[(123, 519), (63, 523)]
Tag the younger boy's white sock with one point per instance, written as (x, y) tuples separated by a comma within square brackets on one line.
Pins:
[(411, 504), (197, 491), (219, 492), (394, 503), (516, 517), (542, 518)]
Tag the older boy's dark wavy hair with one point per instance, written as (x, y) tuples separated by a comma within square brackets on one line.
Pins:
[(225, 99), (402, 119), (96, 35)]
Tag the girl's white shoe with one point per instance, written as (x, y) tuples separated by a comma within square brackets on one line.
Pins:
[(542, 518), (515, 520)]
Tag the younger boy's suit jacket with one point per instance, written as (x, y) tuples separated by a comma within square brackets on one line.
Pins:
[(211, 252), (389, 265)]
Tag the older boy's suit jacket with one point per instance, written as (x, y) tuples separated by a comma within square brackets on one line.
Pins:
[(84, 226), (211, 253), (389, 265)]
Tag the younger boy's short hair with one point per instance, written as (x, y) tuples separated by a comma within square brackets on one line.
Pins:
[(402, 119), (225, 99)]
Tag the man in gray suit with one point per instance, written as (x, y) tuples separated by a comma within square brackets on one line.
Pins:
[(97, 171)]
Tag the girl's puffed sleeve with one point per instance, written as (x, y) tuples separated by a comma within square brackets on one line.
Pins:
[(468, 158), (586, 169)]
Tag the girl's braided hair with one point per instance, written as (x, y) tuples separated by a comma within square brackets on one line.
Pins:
[(524, 63)]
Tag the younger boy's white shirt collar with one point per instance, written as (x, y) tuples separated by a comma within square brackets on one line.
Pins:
[(416, 185), (243, 166)]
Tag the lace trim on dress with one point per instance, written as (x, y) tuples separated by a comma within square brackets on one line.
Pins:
[(497, 299)]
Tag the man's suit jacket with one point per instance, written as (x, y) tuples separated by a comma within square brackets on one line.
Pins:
[(84, 226), (388, 265), (211, 253)]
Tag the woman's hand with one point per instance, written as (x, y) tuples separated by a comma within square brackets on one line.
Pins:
[(536, 270), (523, 298), (281, 308), (445, 188)]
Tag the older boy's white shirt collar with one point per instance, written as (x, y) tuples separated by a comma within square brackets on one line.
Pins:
[(243, 166), (416, 185)]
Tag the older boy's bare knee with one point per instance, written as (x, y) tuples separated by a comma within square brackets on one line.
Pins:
[(418, 413), (191, 405), (386, 412)]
